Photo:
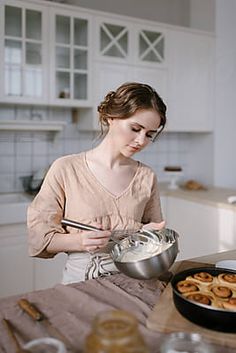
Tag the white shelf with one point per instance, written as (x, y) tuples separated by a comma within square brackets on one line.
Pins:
[(32, 125)]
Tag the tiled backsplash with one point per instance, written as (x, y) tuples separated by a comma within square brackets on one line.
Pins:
[(24, 153)]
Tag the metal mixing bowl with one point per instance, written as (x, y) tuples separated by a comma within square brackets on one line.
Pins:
[(155, 264)]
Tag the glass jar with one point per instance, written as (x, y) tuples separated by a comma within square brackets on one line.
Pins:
[(115, 331), (45, 344), (184, 342)]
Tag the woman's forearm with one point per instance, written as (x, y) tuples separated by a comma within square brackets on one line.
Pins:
[(81, 241), (64, 243)]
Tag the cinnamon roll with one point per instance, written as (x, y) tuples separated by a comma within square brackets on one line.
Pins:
[(222, 291), (227, 279), (204, 277), (230, 304), (200, 298), (186, 286)]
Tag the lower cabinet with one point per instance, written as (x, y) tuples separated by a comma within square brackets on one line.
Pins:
[(20, 273), (16, 267), (203, 229), (48, 272)]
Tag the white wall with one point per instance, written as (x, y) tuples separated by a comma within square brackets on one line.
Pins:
[(197, 14), (202, 15), (201, 158), (225, 113), (175, 12)]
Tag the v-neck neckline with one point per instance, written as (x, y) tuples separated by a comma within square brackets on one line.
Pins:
[(101, 186)]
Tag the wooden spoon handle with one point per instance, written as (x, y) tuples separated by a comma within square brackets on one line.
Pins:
[(10, 330), (30, 309)]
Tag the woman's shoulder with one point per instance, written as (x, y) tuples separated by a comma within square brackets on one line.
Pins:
[(65, 164), (68, 160), (146, 169)]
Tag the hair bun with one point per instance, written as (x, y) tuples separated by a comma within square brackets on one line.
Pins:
[(110, 95)]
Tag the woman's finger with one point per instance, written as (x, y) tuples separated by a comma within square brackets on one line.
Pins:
[(95, 242), (154, 225), (92, 248), (104, 234)]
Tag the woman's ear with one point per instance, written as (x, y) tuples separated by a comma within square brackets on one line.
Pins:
[(109, 121)]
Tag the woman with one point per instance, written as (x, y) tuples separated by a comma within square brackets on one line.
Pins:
[(103, 187)]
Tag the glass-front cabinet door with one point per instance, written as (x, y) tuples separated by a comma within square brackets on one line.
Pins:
[(71, 60), (113, 40), (23, 61), (151, 46)]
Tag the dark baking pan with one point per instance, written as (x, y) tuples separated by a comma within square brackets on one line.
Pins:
[(204, 315)]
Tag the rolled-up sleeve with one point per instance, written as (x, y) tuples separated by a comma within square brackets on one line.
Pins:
[(45, 212)]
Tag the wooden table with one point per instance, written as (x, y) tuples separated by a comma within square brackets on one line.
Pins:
[(71, 309)]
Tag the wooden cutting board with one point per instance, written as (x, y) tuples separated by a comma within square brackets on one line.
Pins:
[(165, 317)]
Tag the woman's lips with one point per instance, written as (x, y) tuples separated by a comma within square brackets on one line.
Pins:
[(135, 149)]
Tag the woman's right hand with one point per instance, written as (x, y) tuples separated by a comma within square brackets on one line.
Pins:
[(81, 240), (93, 240)]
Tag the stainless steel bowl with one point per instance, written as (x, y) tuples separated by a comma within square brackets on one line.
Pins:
[(156, 263)]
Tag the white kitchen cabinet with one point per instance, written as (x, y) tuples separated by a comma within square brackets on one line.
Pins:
[(203, 228), (23, 52), (16, 268), (226, 229), (190, 81), (45, 54), (113, 40), (130, 41), (150, 45), (155, 77), (63, 55), (70, 65), (109, 76), (20, 273), (48, 272), (126, 52)]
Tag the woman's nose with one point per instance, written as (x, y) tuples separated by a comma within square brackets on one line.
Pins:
[(141, 139)]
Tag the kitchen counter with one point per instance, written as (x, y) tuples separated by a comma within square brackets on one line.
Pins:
[(72, 308), (213, 196)]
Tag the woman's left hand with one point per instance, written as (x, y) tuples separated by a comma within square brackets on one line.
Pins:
[(154, 225)]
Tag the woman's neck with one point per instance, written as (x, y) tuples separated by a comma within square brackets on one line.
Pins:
[(106, 154)]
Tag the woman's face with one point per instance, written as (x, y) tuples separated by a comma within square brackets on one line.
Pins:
[(133, 134)]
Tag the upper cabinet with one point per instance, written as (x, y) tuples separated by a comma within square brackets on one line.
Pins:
[(45, 55), (113, 42), (150, 61), (70, 59), (23, 63), (128, 51), (63, 55), (190, 81), (150, 45)]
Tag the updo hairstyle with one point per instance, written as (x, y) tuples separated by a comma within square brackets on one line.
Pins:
[(129, 98)]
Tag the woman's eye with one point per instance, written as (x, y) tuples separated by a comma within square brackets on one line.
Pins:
[(135, 129), (150, 136)]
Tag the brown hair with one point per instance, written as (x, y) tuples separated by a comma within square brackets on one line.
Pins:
[(127, 99)]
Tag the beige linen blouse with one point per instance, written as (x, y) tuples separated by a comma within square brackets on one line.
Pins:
[(70, 190)]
